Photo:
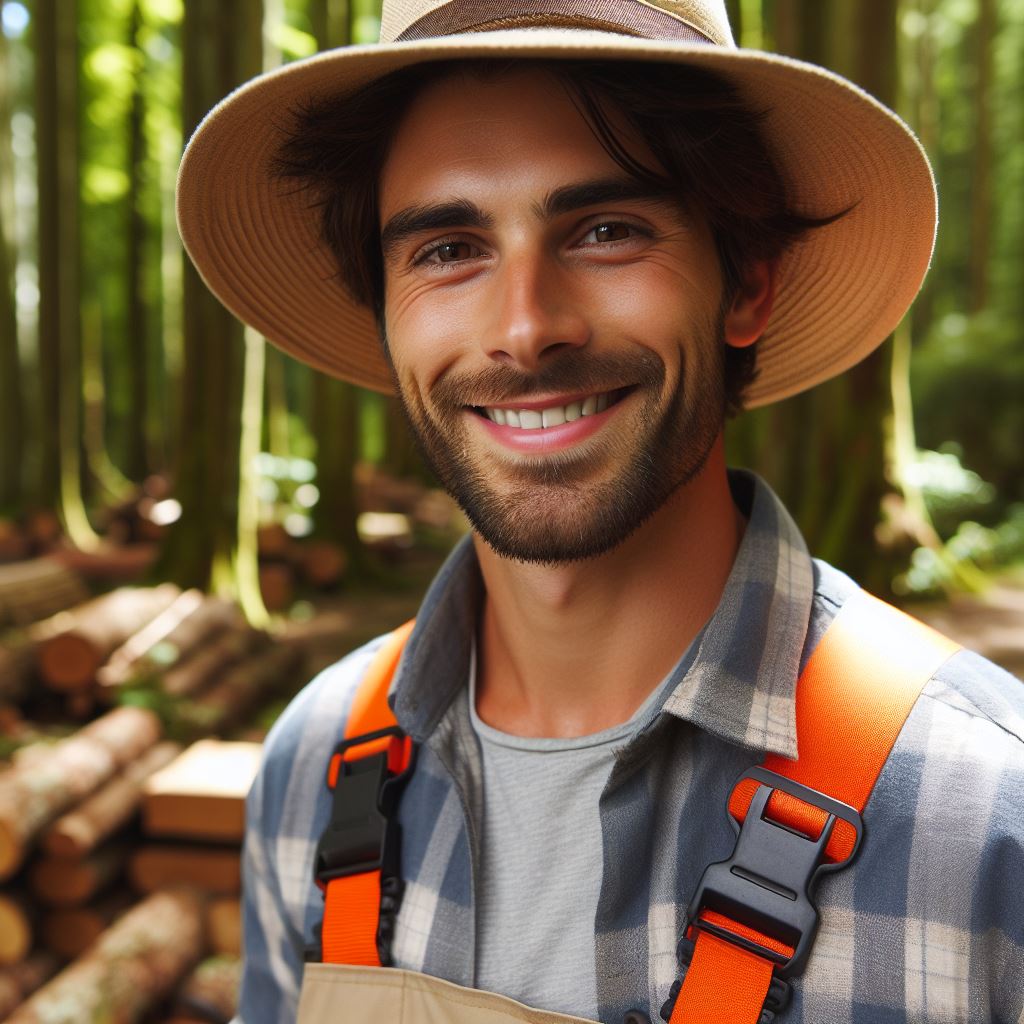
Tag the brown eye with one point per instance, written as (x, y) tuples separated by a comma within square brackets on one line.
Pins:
[(452, 252), (611, 232)]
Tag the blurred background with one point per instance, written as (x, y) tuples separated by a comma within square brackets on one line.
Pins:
[(128, 394), (191, 524)]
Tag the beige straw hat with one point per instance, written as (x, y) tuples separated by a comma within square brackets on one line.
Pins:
[(840, 292)]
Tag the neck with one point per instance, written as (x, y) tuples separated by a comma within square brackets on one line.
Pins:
[(572, 649)]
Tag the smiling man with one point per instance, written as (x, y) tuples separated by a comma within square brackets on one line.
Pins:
[(573, 239)]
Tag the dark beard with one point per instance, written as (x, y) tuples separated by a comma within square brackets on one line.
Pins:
[(551, 514)]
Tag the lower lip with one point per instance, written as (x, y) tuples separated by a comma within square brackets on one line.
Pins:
[(546, 439)]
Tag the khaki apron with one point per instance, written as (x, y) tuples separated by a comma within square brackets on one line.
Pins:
[(341, 992)]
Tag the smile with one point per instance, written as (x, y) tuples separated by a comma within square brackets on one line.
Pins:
[(541, 417)]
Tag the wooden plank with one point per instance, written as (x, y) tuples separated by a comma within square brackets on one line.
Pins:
[(201, 794), (215, 871)]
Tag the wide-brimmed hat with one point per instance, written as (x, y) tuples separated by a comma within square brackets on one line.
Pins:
[(840, 292)]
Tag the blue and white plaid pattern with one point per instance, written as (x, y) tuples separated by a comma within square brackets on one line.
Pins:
[(926, 927)]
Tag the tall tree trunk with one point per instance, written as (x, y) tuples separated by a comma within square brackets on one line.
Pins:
[(11, 435), (335, 415), (923, 112), (137, 348), (60, 261), (981, 169), (221, 48), (46, 485), (832, 477)]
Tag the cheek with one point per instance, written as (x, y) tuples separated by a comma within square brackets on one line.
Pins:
[(426, 335)]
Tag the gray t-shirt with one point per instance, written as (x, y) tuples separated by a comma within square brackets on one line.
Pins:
[(541, 861)]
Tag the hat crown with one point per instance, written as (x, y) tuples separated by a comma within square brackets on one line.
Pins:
[(403, 20)]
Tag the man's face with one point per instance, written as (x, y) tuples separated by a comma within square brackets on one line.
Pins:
[(555, 333)]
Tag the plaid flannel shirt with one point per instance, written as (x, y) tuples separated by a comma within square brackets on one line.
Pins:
[(926, 926)]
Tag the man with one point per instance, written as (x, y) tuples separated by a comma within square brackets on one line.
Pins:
[(575, 236)]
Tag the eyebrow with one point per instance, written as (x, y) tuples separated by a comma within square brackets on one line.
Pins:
[(457, 213), (462, 213), (580, 195)]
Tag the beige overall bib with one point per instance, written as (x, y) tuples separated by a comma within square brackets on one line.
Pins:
[(339, 992)]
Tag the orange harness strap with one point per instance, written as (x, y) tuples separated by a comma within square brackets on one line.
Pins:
[(853, 698), (361, 889)]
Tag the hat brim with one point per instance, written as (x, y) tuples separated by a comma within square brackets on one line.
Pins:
[(840, 292)]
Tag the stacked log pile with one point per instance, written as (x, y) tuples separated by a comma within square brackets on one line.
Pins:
[(101, 915), (86, 877)]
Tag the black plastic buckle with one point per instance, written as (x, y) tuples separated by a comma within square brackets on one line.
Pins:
[(768, 882), (362, 834)]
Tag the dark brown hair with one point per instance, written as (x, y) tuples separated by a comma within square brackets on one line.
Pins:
[(706, 140)]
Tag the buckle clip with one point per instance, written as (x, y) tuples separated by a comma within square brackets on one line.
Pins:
[(768, 882), (362, 834)]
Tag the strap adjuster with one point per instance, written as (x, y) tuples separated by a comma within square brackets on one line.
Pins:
[(768, 883), (362, 833)]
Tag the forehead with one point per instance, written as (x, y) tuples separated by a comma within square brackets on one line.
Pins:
[(473, 136)]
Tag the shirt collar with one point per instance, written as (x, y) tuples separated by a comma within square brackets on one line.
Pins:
[(736, 680)]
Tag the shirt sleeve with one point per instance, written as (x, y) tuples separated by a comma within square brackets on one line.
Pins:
[(272, 951), (287, 810)]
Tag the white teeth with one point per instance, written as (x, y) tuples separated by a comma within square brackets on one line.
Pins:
[(554, 416)]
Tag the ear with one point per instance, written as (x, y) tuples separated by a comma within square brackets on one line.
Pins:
[(747, 316)]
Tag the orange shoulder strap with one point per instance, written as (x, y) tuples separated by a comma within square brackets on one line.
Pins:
[(853, 697), (356, 861)]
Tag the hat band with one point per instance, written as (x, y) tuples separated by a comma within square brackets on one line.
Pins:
[(629, 18)]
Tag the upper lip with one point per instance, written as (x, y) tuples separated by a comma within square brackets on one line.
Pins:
[(545, 403)]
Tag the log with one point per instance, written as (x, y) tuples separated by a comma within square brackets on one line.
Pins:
[(241, 690), (34, 792), (277, 585), (273, 541), (37, 589), (17, 663), (70, 660), (213, 870), (322, 563), (193, 674), (132, 967), (201, 795), (82, 829), (59, 882), (43, 526), (110, 563), (17, 983), (224, 927), (69, 933), (210, 992), (17, 922), (122, 663), (14, 543)]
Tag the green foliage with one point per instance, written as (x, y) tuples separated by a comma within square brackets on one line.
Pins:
[(968, 379)]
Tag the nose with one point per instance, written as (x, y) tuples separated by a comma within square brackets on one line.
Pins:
[(535, 313)]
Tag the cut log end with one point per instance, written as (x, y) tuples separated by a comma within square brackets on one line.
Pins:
[(69, 662), (15, 931)]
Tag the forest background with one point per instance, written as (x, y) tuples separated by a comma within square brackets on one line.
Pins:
[(122, 379)]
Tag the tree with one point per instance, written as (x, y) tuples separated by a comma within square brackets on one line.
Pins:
[(11, 432), (833, 477), (221, 48)]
